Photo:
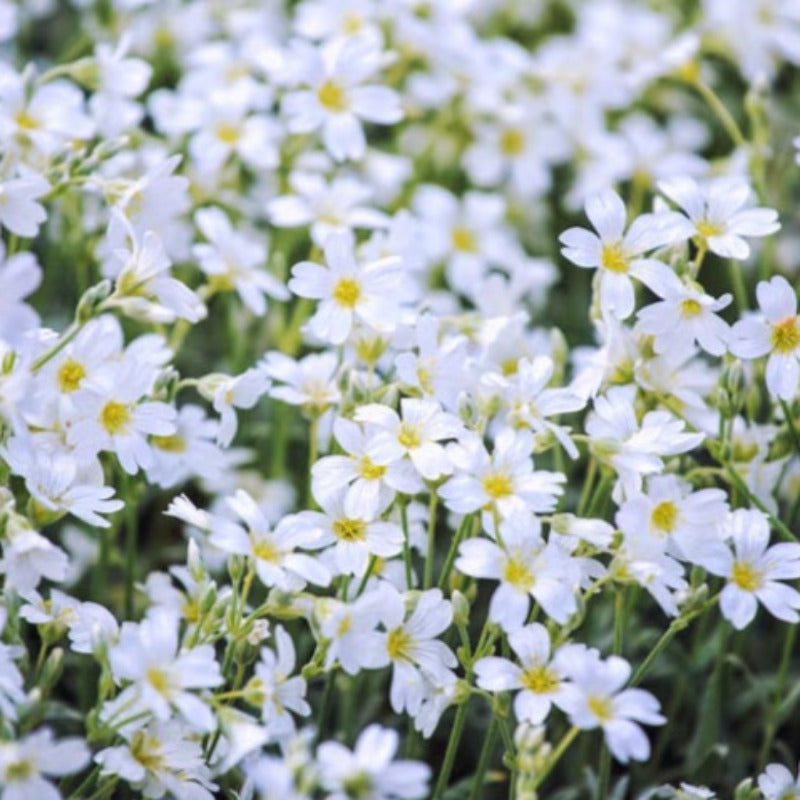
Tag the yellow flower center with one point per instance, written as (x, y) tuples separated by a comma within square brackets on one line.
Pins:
[(398, 645), (170, 444), (332, 97), (347, 292), (540, 680), (664, 516), (425, 378), (115, 417), (707, 228), (227, 133), (498, 485), (613, 258), (409, 435), (147, 751), (26, 121), (509, 366), (786, 335), (369, 470), (265, 550), (690, 307), (746, 577), (158, 679), (352, 23), (518, 574), (464, 240), (345, 625), (19, 771), (350, 530), (512, 142), (601, 707), (70, 375)]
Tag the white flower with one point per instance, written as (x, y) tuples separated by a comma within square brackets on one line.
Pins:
[(354, 537), (778, 783), (690, 522), (617, 254), (504, 480), (754, 572), (235, 260), (369, 770), (162, 759), (55, 482), (685, 315), (190, 450), (594, 697), (537, 678), (160, 675), (372, 477), (527, 567), (25, 763), (329, 207), (309, 382), (717, 215), (28, 557), (415, 435), (338, 97), (411, 646), (19, 211), (776, 335), (230, 392), (275, 690), (144, 288), (110, 415), (349, 629), (20, 276), (348, 290), (272, 550), (634, 450)]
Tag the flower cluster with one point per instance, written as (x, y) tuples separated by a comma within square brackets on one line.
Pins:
[(386, 386)]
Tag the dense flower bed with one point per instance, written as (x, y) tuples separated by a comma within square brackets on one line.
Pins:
[(399, 399)]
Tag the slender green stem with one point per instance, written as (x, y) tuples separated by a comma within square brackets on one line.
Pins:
[(720, 109), (65, 339), (561, 748), (604, 771), (483, 761), (674, 629), (373, 560), (131, 554), (406, 545), (587, 486), (80, 791), (312, 456), (453, 551), (787, 413), (431, 551), (737, 281), (737, 481), (780, 684), (452, 748)]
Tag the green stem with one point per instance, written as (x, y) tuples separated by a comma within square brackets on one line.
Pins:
[(431, 551), (737, 281), (453, 551), (720, 109), (561, 748), (737, 481), (406, 544), (483, 761), (674, 629), (452, 747), (65, 339), (131, 554), (780, 682), (787, 413), (587, 486)]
